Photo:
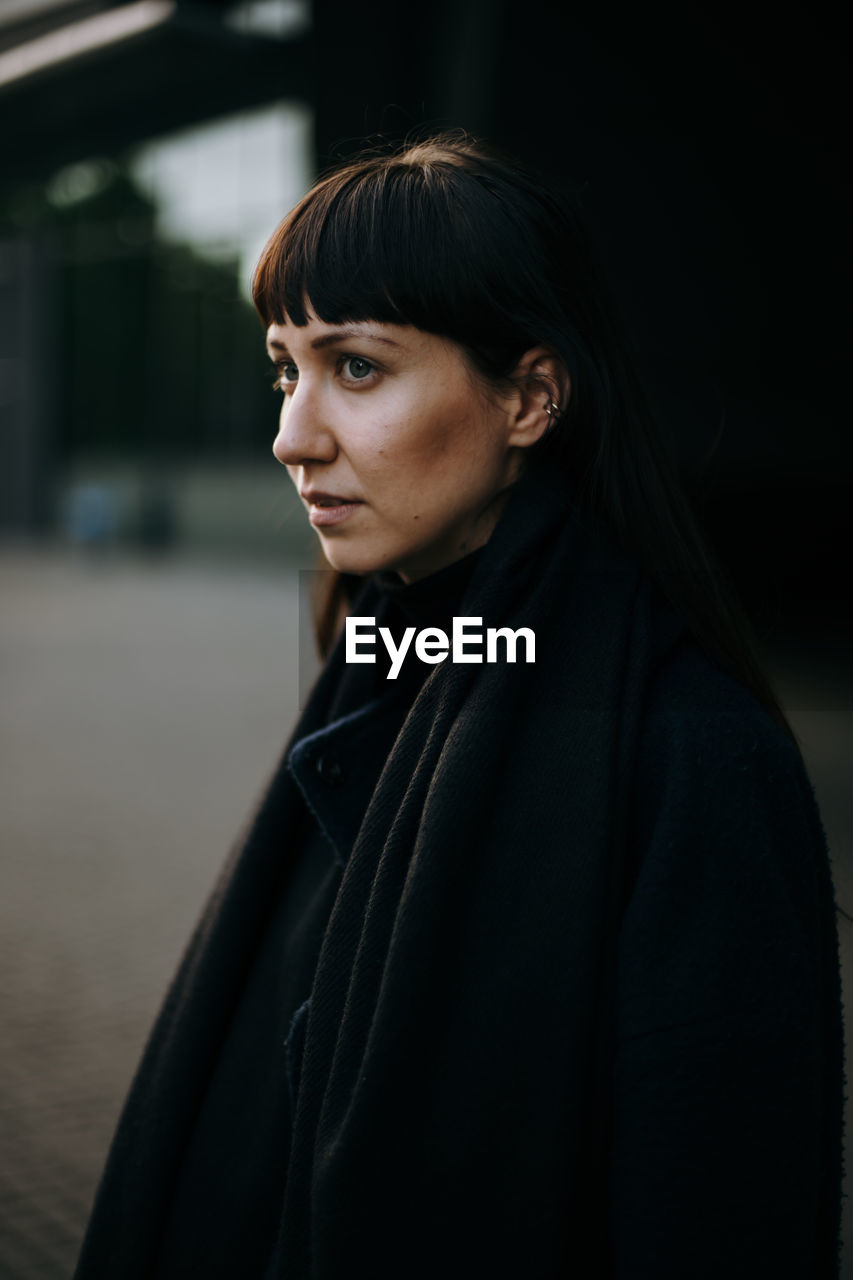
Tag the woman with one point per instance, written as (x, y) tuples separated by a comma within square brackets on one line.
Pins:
[(526, 966)]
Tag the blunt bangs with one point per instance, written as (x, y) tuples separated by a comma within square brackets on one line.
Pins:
[(421, 240)]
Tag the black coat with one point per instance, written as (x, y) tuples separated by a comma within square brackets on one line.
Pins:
[(576, 1010)]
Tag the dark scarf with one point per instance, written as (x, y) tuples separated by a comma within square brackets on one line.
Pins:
[(452, 1112)]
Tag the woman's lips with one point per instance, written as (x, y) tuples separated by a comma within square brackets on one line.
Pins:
[(325, 515)]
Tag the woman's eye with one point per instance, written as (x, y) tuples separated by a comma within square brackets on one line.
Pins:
[(286, 374), (358, 368)]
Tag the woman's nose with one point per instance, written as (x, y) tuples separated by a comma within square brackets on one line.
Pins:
[(303, 435)]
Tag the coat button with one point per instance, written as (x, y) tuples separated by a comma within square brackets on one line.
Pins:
[(329, 770)]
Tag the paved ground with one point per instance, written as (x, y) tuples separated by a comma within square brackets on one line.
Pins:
[(143, 704)]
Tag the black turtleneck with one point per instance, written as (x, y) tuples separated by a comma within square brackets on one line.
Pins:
[(229, 1186)]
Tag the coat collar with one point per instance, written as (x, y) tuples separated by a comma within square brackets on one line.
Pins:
[(337, 767)]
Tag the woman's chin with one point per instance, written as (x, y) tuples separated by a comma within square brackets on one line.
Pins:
[(350, 560)]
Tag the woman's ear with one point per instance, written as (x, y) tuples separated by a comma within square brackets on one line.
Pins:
[(544, 387)]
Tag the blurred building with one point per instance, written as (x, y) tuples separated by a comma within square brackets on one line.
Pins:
[(148, 152)]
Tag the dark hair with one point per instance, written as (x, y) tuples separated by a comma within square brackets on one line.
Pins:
[(454, 238)]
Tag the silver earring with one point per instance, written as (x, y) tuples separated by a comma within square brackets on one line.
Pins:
[(553, 409)]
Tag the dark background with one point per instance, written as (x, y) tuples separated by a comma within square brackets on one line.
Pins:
[(708, 143)]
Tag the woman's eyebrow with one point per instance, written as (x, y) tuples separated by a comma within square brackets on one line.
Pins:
[(328, 339), (339, 335)]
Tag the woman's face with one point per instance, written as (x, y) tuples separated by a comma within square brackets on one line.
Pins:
[(401, 457)]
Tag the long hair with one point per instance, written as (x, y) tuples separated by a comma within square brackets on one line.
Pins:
[(456, 239)]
